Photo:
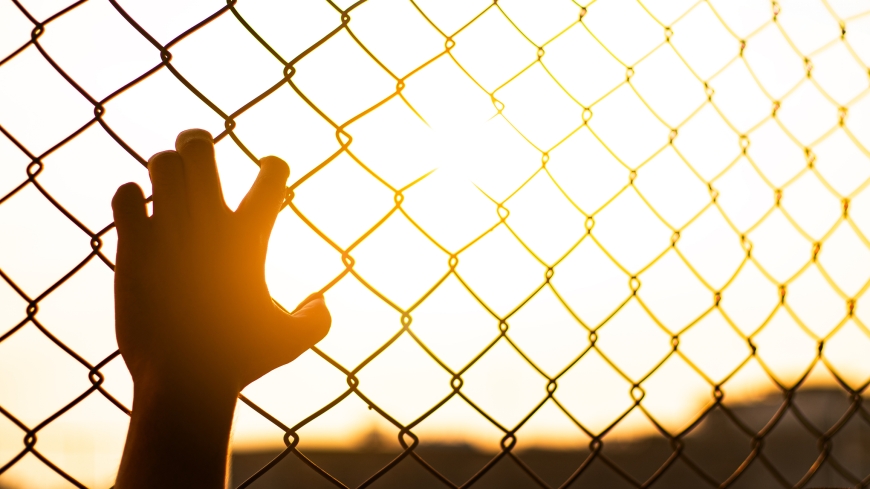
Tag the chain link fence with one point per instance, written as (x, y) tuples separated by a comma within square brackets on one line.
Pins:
[(769, 107)]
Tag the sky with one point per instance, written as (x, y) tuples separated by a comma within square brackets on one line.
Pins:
[(653, 169)]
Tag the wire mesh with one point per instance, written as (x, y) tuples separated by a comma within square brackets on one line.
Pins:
[(755, 455)]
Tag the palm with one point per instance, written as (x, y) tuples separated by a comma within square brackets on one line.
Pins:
[(191, 296)]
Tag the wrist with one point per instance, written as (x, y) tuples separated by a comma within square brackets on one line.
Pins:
[(193, 413), (179, 433), (200, 391)]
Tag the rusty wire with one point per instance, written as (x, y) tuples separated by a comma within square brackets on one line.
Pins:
[(409, 441)]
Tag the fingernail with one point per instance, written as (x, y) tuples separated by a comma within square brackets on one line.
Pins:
[(163, 154), (190, 135), (311, 305), (273, 163)]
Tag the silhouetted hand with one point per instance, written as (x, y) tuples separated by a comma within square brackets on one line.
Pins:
[(194, 319)]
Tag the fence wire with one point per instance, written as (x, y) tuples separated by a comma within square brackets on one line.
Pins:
[(756, 454)]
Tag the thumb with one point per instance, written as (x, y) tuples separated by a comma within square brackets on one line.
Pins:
[(305, 326)]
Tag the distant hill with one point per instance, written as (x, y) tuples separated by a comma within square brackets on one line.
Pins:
[(716, 448)]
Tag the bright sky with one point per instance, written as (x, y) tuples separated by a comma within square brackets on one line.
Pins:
[(500, 120)]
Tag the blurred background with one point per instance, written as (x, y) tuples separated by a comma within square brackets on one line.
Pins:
[(616, 242)]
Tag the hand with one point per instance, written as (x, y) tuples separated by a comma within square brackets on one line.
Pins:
[(191, 301), (194, 319)]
